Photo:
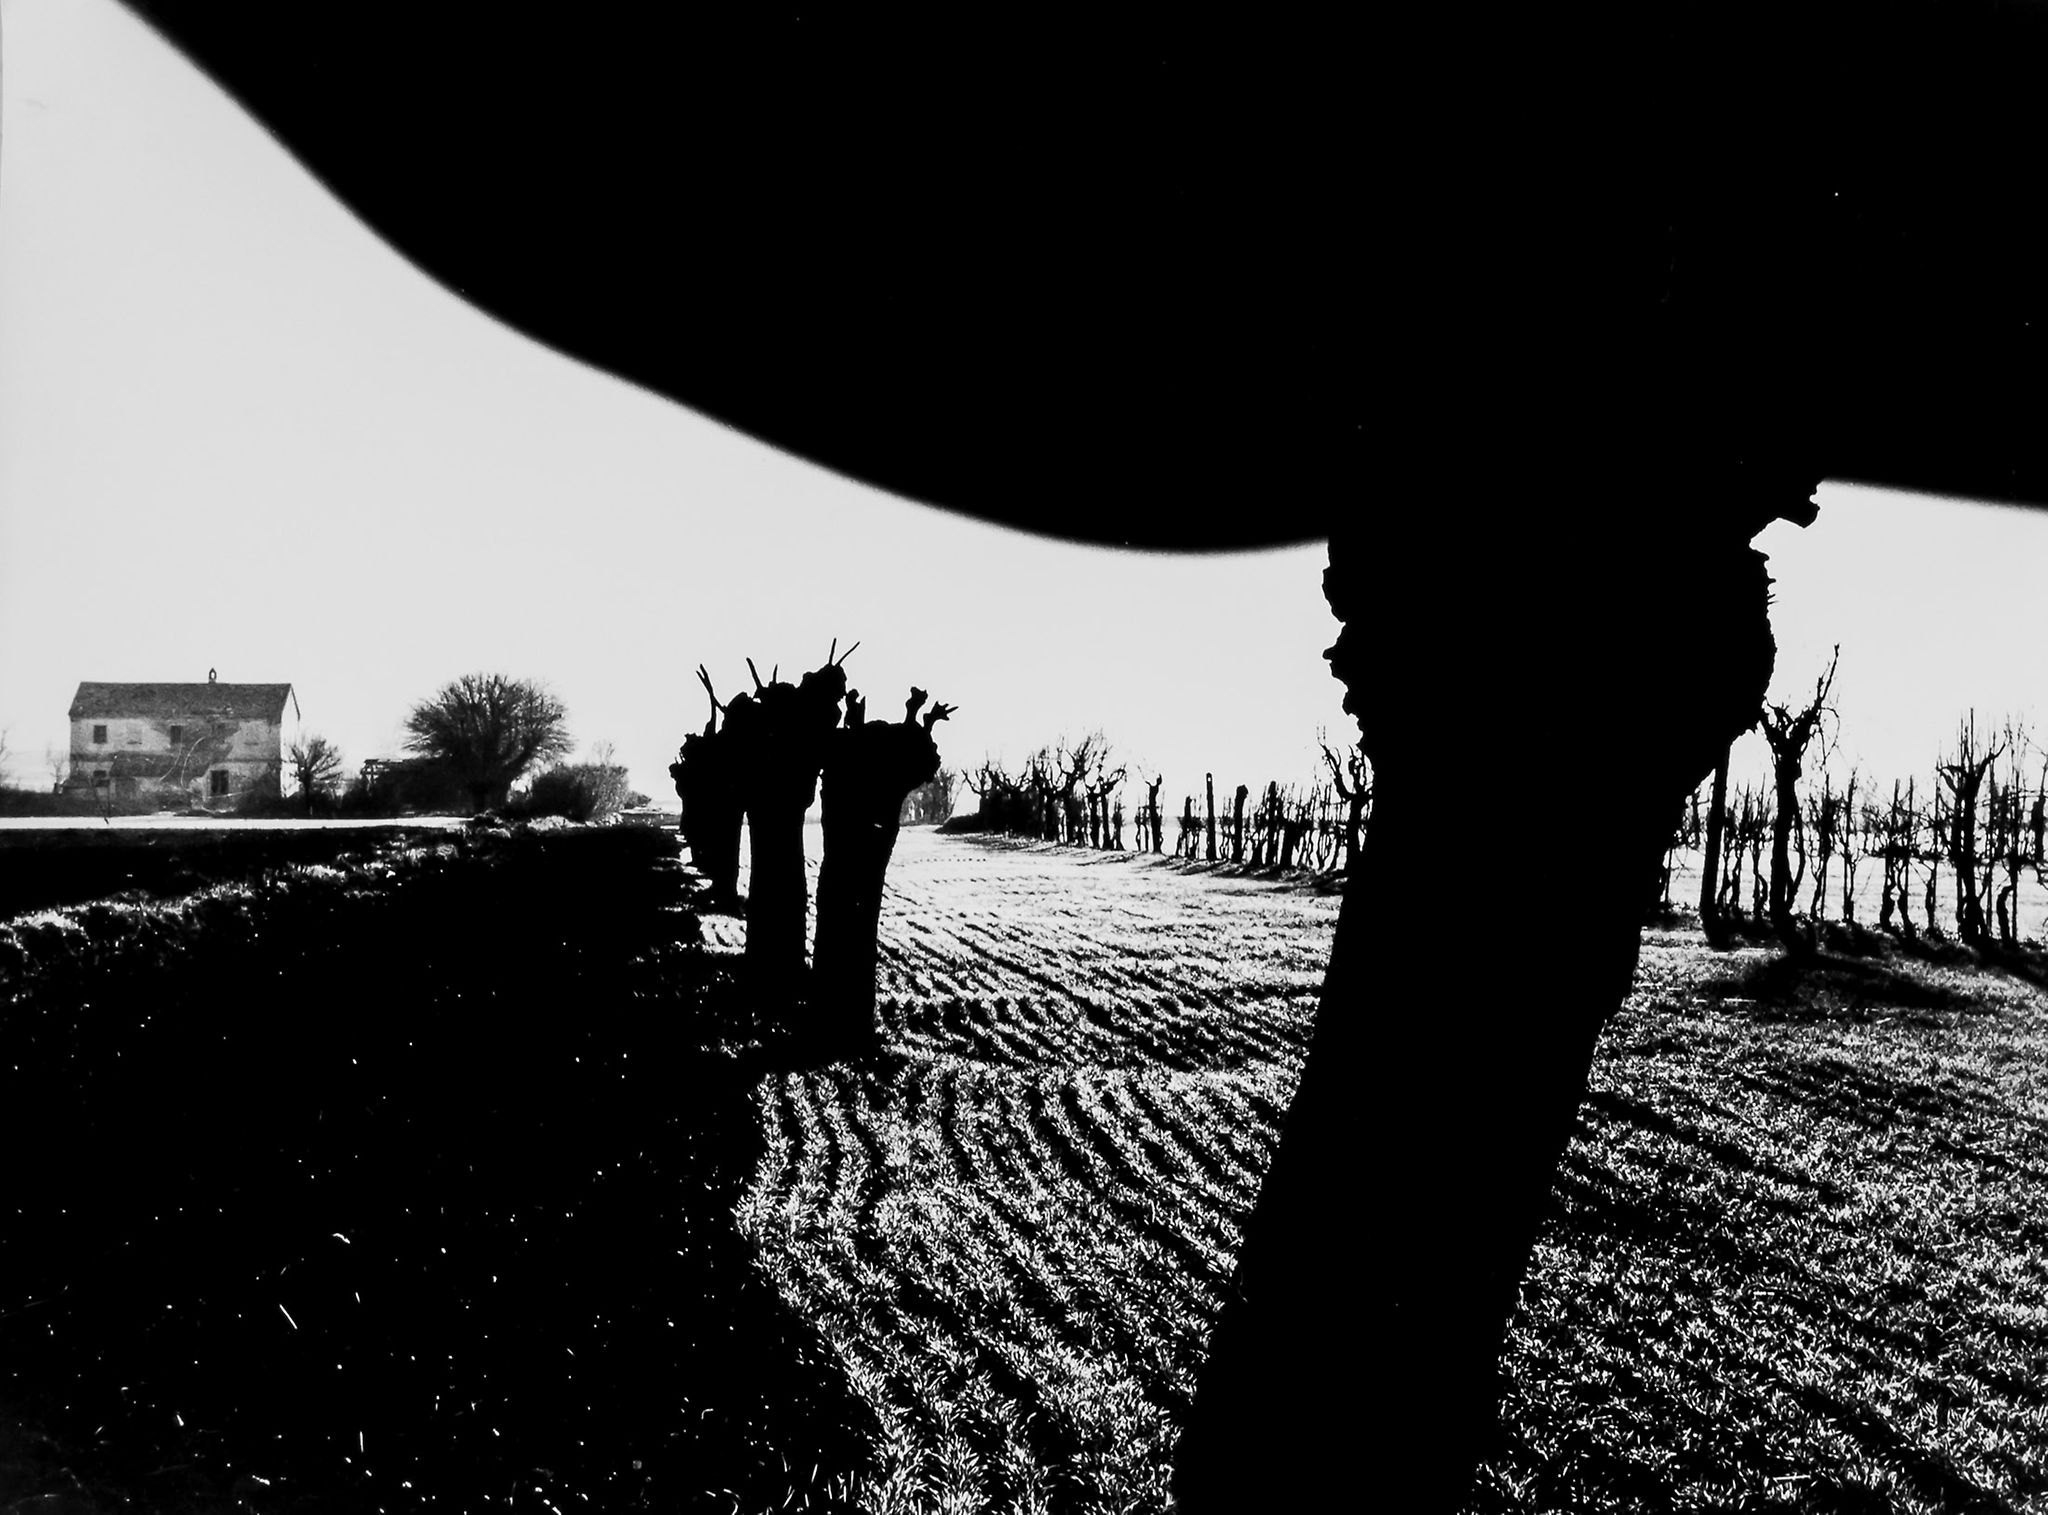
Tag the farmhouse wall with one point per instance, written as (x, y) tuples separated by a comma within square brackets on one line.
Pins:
[(172, 751)]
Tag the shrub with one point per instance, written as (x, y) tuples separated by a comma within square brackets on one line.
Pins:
[(576, 792)]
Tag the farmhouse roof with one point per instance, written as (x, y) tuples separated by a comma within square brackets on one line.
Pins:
[(127, 701)]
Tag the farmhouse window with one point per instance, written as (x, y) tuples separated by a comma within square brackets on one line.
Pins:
[(99, 733), (177, 736), (219, 780)]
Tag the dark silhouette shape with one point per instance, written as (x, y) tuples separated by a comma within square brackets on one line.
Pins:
[(707, 784), (1152, 826), (1356, 793), (1237, 824), (1603, 292), (779, 739), (316, 767), (868, 772), (1711, 921), (1789, 735), (1964, 776), (1454, 1208), (488, 730)]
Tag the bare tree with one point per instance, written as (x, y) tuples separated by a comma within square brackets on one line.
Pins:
[(316, 768), (1107, 777), (2008, 839), (1824, 814), (58, 761), (1853, 845), (1789, 734), (489, 730), (1938, 818), (1068, 771), (1353, 780), (1964, 776)]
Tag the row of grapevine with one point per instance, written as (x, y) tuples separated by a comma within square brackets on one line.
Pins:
[(1072, 793), (1950, 853)]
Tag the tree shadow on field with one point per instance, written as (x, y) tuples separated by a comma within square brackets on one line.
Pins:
[(1827, 986), (417, 1196)]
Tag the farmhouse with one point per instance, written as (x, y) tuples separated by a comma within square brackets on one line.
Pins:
[(205, 744)]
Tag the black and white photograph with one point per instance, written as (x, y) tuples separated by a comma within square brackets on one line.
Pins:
[(920, 761)]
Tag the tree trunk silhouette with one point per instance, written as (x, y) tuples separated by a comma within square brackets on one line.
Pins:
[(1710, 864), (708, 788), (1209, 811), (868, 771), (1237, 824), (1788, 736), (1152, 812), (1965, 779), (1415, 1164), (779, 735)]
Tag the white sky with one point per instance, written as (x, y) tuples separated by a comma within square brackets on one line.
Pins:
[(238, 431), (1938, 607)]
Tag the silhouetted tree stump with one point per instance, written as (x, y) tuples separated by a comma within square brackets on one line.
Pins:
[(869, 770), (707, 785), (778, 741)]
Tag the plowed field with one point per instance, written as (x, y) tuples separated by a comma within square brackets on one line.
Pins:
[(1017, 1237)]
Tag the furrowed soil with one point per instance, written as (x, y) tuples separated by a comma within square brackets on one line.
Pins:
[(472, 1179)]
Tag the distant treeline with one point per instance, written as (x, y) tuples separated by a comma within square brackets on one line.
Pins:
[(1952, 846), (1073, 793)]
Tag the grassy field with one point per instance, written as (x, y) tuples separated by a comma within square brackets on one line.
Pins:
[(469, 1180)]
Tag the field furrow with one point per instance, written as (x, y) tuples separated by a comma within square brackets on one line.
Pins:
[(1017, 1238)]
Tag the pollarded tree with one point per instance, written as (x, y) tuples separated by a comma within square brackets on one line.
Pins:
[(707, 783), (316, 767), (1789, 734), (779, 735), (869, 769), (1072, 763), (1964, 777), (488, 731), (1005, 802), (1102, 784)]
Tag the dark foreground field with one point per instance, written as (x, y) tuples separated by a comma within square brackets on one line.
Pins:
[(470, 1181)]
